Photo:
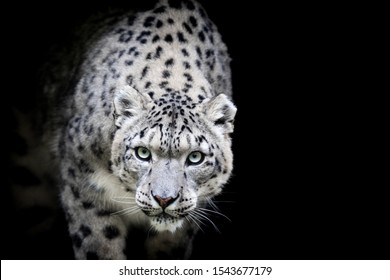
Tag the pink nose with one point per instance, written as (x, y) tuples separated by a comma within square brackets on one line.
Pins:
[(164, 201)]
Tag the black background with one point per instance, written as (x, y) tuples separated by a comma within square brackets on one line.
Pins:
[(305, 184)]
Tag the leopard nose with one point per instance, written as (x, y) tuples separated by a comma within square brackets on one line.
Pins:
[(164, 202)]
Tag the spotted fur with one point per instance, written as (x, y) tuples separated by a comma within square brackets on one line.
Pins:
[(141, 130)]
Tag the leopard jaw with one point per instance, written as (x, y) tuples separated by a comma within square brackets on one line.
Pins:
[(171, 224)]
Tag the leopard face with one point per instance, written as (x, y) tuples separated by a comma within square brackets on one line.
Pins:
[(173, 153)]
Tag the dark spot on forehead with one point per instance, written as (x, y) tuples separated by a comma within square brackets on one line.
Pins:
[(155, 39), (168, 38), (181, 38), (159, 24), (169, 62), (149, 21), (201, 36), (185, 52), (166, 74), (187, 28), (193, 21)]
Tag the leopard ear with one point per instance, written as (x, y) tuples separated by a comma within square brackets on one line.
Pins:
[(128, 103), (221, 111)]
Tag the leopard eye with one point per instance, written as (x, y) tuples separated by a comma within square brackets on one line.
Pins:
[(143, 154), (195, 158)]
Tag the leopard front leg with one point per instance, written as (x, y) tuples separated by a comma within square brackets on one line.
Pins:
[(95, 232)]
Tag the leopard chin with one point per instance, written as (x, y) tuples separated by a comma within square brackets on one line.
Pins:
[(165, 222)]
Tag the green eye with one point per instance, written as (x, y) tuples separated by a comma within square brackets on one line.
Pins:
[(195, 158), (143, 154)]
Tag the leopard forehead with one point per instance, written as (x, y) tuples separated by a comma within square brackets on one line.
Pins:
[(174, 126)]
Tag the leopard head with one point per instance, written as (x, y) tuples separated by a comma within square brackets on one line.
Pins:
[(173, 152)]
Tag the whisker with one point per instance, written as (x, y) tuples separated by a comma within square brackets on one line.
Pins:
[(223, 201), (129, 210), (124, 199), (212, 204), (203, 210), (201, 214), (195, 220), (133, 211), (151, 229)]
